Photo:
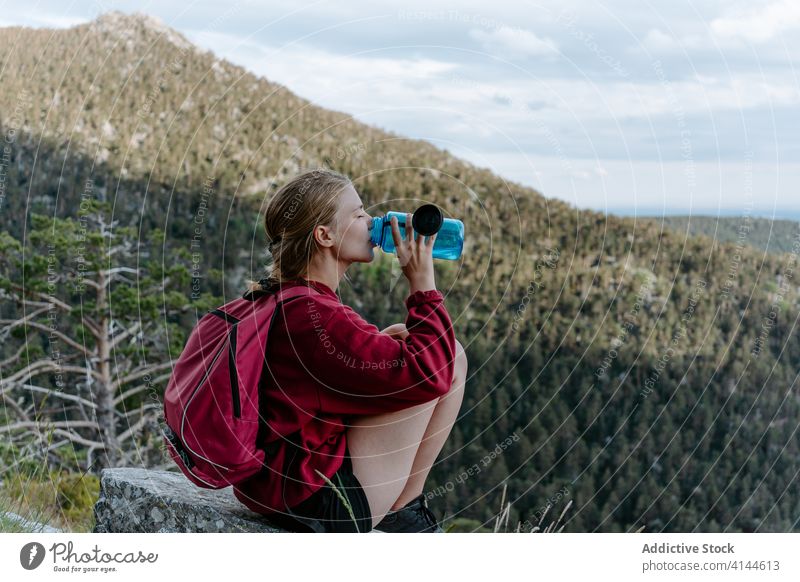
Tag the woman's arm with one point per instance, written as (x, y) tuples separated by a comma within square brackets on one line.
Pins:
[(363, 371)]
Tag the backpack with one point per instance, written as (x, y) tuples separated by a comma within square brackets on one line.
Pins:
[(213, 426)]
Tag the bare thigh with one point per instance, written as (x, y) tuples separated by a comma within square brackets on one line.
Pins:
[(382, 448)]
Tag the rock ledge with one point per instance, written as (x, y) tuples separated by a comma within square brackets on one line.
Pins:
[(143, 501)]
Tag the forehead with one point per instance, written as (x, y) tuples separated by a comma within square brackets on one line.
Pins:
[(349, 199)]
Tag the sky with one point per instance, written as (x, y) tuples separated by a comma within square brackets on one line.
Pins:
[(629, 107)]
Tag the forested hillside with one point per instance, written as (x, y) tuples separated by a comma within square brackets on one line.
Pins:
[(775, 236)]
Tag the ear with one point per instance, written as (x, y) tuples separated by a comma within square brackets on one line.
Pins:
[(323, 235)]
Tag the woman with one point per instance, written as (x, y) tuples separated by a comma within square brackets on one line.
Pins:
[(361, 414)]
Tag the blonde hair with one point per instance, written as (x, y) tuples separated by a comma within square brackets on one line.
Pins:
[(297, 208)]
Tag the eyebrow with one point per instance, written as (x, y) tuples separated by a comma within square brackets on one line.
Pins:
[(358, 207)]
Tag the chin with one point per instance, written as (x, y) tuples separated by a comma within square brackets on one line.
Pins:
[(367, 257)]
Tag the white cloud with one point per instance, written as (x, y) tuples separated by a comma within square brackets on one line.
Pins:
[(734, 31), (759, 24), (43, 20), (648, 185), (610, 101), (509, 42), (660, 42), (343, 82)]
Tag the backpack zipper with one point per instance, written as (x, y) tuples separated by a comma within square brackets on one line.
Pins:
[(237, 406), (234, 374)]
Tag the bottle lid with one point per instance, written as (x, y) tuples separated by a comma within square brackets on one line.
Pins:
[(427, 219)]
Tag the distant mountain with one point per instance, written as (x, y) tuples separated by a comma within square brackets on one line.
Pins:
[(774, 236), (620, 354)]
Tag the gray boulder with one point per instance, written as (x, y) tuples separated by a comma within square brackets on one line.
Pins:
[(139, 500)]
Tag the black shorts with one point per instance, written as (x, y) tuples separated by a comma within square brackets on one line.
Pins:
[(330, 510)]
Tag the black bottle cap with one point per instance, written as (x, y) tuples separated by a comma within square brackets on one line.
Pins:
[(427, 219)]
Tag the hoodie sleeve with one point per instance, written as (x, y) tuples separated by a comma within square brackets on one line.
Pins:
[(360, 370)]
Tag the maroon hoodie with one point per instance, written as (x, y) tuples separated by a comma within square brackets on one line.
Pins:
[(328, 364)]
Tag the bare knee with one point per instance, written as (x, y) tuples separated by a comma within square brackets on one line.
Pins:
[(459, 375), (460, 361)]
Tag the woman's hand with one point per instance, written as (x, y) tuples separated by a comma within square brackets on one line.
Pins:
[(415, 256)]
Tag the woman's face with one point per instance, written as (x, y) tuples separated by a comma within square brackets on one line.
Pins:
[(354, 228)]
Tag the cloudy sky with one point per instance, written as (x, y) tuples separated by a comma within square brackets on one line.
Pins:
[(623, 106)]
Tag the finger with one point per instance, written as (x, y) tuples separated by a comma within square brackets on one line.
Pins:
[(419, 240), (409, 227), (432, 239), (395, 232)]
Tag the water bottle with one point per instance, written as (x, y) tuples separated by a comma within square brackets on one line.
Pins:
[(427, 220)]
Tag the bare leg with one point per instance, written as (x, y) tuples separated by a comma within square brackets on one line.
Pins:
[(382, 448), (393, 453), (442, 420)]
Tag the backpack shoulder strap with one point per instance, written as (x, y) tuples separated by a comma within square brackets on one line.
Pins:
[(282, 293)]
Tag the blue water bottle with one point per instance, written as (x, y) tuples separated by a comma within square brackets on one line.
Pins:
[(427, 220)]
